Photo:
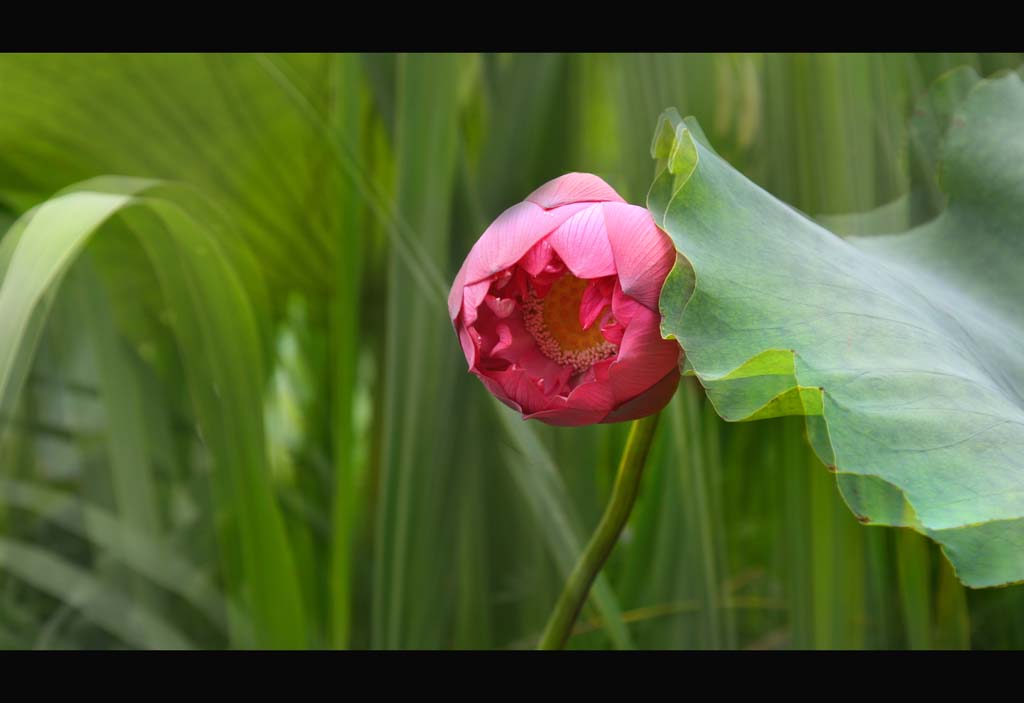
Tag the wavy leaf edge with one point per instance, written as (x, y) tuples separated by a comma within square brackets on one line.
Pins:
[(676, 147)]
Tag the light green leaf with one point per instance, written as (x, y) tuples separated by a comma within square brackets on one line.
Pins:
[(215, 121), (148, 556), (218, 337), (107, 607), (905, 351)]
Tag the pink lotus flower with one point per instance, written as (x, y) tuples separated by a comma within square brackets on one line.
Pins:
[(556, 306)]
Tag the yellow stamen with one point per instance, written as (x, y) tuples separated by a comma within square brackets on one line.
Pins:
[(554, 322)]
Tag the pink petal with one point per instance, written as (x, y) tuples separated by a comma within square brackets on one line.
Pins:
[(643, 253), (517, 283), (501, 280), (554, 378), (508, 340), (644, 357), (498, 391), (596, 298), (470, 345), (510, 236), (582, 243), (537, 258), (568, 417), (624, 308), (592, 396), (648, 402), (472, 297), (511, 338), (518, 386), (557, 385), (573, 188), (614, 332), (588, 404), (455, 295), (505, 340), (502, 307)]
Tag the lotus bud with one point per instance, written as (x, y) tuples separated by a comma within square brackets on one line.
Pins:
[(556, 306)]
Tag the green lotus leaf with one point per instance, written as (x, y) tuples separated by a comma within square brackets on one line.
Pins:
[(905, 351)]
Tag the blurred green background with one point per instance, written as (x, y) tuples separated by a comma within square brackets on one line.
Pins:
[(386, 500)]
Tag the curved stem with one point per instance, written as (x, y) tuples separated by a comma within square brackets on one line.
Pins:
[(627, 485)]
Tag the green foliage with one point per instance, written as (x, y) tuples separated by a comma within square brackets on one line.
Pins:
[(901, 349), (233, 413)]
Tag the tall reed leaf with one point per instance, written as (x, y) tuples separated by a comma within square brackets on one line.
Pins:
[(218, 340)]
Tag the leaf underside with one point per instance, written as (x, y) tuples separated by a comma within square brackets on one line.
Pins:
[(904, 351)]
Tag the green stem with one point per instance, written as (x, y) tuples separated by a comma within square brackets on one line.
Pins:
[(627, 485)]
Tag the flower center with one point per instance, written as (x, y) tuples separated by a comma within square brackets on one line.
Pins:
[(554, 321)]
